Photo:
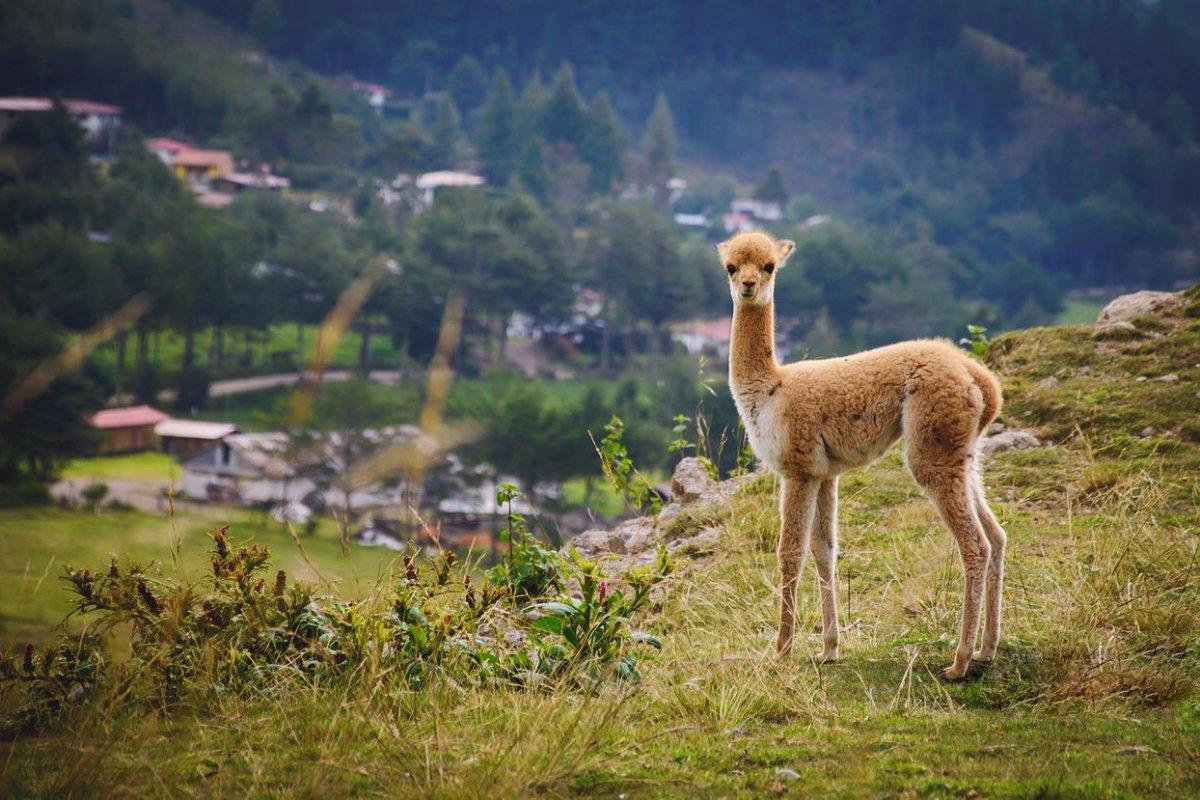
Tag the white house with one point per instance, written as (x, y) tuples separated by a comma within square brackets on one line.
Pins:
[(765, 210), (98, 120), (429, 183), (244, 468)]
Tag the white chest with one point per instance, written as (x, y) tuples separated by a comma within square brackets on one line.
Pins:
[(765, 427)]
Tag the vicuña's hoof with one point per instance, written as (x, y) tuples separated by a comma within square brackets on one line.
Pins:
[(952, 674), (826, 657), (983, 659)]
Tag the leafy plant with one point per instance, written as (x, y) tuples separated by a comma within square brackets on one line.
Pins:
[(976, 340), (634, 487), (247, 633), (596, 625), (527, 569), (680, 444)]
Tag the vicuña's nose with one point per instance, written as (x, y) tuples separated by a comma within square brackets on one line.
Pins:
[(749, 284)]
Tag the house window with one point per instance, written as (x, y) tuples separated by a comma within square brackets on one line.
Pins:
[(226, 454)]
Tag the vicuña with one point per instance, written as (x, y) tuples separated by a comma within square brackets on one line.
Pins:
[(812, 420)]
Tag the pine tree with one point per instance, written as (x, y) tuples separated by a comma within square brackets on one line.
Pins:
[(467, 83), (603, 144), (444, 134), (496, 136), (660, 141), (564, 116), (772, 188)]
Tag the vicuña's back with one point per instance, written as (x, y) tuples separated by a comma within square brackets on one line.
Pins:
[(811, 420)]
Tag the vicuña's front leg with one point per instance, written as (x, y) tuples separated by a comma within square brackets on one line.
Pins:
[(797, 504), (824, 550)]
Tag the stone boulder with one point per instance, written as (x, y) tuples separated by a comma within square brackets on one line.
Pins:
[(1128, 307), (596, 542), (691, 481), (1006, 440)]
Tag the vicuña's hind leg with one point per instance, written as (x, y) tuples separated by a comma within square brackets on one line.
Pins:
[(824, 546), (954, 502), (995, 571), (797, 505)]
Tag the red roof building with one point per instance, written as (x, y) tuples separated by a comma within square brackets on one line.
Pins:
[(127, 430)]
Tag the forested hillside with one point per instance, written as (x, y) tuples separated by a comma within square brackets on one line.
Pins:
[(939, 163)]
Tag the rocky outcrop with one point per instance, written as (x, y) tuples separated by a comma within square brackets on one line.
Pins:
[(636, 541), (1122, 311)]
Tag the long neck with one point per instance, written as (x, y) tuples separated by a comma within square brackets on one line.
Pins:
[(752, 344)]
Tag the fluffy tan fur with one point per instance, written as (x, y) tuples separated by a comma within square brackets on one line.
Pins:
[(812, 420)]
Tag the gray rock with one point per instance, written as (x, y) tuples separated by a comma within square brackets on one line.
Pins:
[(1106, 330), (690, 481), (1170, 377), (595, 542), (785, 774), (1139, 304), (640, 534), (699, 544), (1049, 383), (1147, 432), (1012, 439)]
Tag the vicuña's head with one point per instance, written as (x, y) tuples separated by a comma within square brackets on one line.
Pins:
[(751, 259)]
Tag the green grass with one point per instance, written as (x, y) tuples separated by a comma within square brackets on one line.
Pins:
[(1078, 312), (35, 546), (149, 466), (1095, 694)]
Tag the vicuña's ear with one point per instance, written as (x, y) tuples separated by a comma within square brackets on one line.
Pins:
[(722, 249), (786, 246)]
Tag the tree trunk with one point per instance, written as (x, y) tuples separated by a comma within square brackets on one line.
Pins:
[(122, 341), (140, 356), (364, 349), (503, 340), (605, 341), (189, 343), (299, 344)]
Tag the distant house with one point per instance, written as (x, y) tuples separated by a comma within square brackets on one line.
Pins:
[(242, 468), (127, 430), (183, 437), (763, 210), (166, 149), (430, 183), (235, 182), (376, 95), (200, 167), (98, 120), (691, 220), (736, 223), (703, 336)]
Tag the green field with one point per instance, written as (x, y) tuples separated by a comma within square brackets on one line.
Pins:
[(35, 546), (148, 466), (272, 350)]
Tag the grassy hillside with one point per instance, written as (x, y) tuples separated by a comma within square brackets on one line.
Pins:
[(1094, 693)]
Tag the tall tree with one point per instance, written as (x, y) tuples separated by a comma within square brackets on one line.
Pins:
[(772, 188), (497, 134), (564, 115), (603, 145), (660, 141), (444, 134)]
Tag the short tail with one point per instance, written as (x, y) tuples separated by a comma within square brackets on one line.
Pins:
[(989, 387)]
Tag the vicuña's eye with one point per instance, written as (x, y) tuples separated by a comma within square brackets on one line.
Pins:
[(730, 268), (769, 267)]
